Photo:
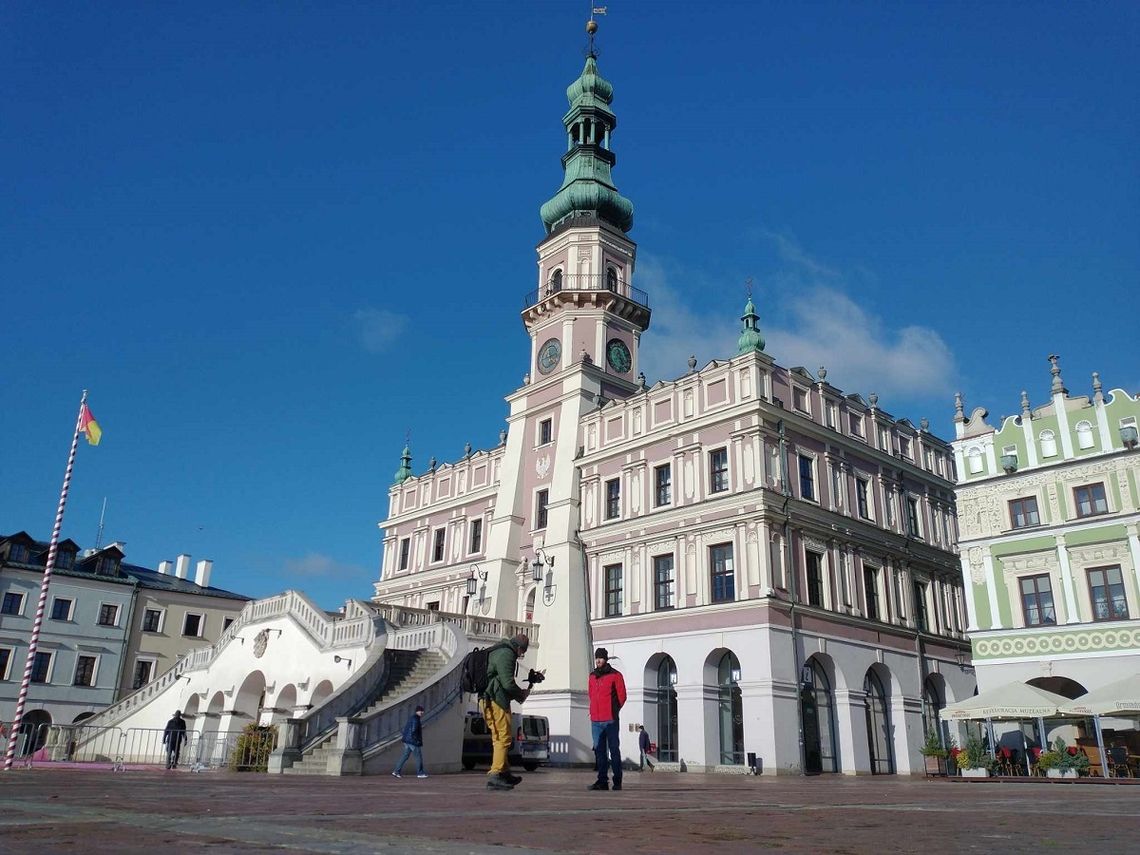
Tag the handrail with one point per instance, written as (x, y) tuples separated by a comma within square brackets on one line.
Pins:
[(472, 626), (586, 282)]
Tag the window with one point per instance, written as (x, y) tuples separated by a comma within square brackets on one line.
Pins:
[(545, 431), (41, 667), (723, 577), (920, 617), (227, 623), (144, 668), (613, 498), (799, 400), (192, 625), (405, 550), (433, 606), (807, 477), (556, 281), (1048, 444), (1085, 435), (1023, 512), (871, 591), (974, 460), (663, 582), (662, 485), (437, 544), (13, 604), (476, 544), (718, 470), (856, 422), (904, 447), (814, 579), (64, 559), (885, 440), (611, 280), (1090, 500), (5, 662), (613, 590), (540, 500), (1106, 587), (912, 517), (1037, 600), (108, 565), (152, 620), (861, 498), (61, 608), (108, 614), (84, 671), (18, 553)]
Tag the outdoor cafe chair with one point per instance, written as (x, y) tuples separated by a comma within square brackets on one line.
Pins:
[(1118, 762)]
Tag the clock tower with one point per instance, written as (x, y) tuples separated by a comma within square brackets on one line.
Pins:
[(585, 321)]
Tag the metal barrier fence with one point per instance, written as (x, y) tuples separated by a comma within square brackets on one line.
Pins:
[(138, 746)]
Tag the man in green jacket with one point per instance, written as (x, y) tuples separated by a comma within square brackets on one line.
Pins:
[(502, 663)]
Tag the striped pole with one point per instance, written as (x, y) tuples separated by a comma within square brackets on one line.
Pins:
[(33, 642)]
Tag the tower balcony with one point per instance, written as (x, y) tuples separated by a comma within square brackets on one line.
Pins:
[(589, 290)]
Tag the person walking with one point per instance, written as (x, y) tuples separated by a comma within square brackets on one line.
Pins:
[(607, 697), (502, 663), (173, 738), (644, 744), (413, 744)]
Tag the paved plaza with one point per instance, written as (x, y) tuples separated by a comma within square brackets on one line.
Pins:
[(90, 810)]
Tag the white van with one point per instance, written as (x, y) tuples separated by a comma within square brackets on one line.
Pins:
[(530, 741)]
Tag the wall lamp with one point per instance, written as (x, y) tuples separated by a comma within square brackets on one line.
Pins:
[(963, 660), (474, 579), (540, 563), (339, 659)]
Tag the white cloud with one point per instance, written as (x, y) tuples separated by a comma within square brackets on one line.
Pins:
[(807, 318), (378, 328), (316, 565)]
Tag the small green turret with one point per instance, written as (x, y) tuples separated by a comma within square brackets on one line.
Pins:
[(405, 470), (750, 340)]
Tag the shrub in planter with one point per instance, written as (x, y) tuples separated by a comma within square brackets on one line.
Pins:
[(935, 753), (1060, 761), (974, 758)]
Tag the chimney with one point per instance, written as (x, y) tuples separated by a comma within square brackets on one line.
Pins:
[(182, 566), (202, 576), (164, 568)]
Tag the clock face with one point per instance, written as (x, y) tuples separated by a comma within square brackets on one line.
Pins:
[(617, 355), (549, 355)]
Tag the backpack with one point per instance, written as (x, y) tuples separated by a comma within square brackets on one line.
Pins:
[(474, 673)]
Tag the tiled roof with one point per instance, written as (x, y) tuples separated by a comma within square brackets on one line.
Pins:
[(169, 582)]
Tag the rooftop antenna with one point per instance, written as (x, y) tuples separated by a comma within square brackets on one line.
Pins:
[(99, 534), (592, 26)]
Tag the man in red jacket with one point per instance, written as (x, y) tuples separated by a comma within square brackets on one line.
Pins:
[(607, 697)]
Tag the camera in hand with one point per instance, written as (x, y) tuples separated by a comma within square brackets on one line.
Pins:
[(533, 677)]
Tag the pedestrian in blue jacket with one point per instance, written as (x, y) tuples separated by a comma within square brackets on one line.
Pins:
[(413, 744)]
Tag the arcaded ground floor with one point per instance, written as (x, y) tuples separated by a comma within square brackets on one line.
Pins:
[(153, 811)]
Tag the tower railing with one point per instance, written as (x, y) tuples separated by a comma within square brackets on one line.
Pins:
[(586, 282)]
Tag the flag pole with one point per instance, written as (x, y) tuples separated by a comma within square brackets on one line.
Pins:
[(34, 640)]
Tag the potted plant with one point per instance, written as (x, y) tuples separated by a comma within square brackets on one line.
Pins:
[(973, 760), (934, 753), (1061, 762)]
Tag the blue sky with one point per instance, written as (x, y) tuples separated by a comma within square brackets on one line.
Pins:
[(273, 238)]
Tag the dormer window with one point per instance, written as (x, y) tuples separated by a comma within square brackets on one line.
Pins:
[(64, 560), (18, 553), (107, 566)]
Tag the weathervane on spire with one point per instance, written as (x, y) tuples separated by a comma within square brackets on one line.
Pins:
[(592, 26), (748, 286)]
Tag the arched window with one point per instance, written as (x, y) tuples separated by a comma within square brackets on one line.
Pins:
[(932, 704), (530, 604), (818, 707), (555, 281), (666, 702), (974, 460), (878, 726), (611, 279), (731, 711), (1085, 435), (1048, 444)]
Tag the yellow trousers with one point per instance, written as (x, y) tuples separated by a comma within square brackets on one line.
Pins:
[(499, 724)]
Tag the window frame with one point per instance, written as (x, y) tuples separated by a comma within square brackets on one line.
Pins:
[(1108, 599), (70, 608), (201, 625), (863, 498), (545, 432), (541, 509), (663, 487), (438, 544), (612, 578), (724, 570), (147, 610), (94, 675), (612, 509), (47, 675), (1018, 508), (6, 661), (405, 553), (921, 609), (475, 536), (1036, 595), (99, 621), (152, 664), (913, 517), (667, 585), (807, 478), (718, 474), (871, 597), (814, 588), (18, 611), (1096, 485)]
